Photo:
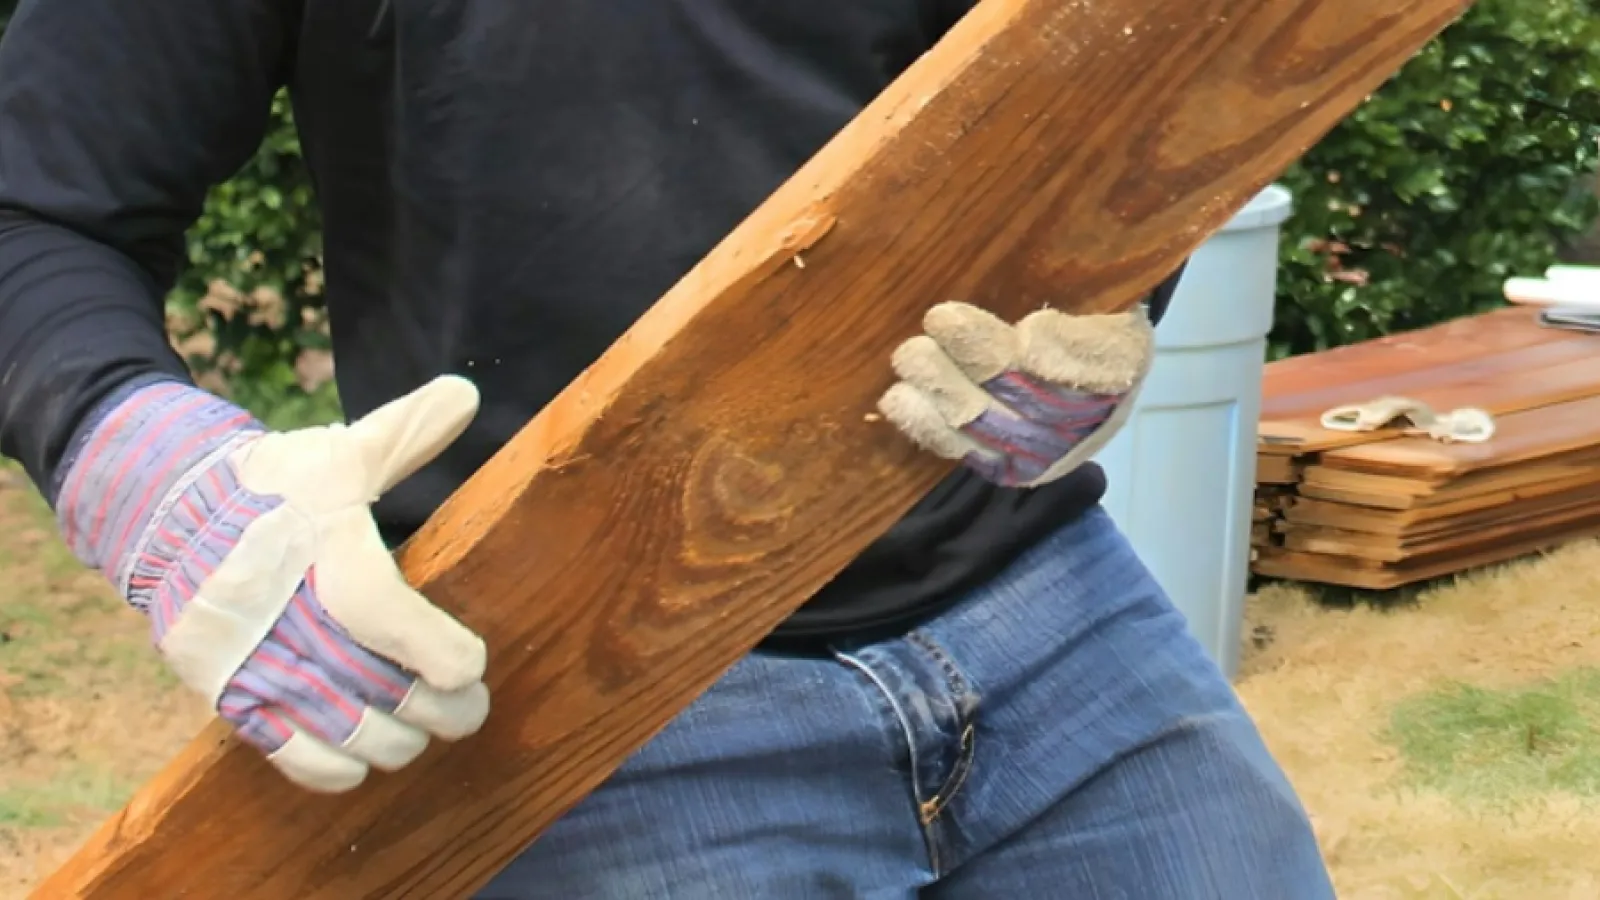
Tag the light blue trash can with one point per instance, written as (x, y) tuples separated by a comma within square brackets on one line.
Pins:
[(1182, 471)]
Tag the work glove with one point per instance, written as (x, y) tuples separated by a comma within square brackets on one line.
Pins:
[(268, 590), (1019, 405), (1468, 424)]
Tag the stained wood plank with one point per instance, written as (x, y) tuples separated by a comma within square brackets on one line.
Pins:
[(1297, 390), (1448, 547), (1374, 499), (1430, 375), (1520, 380), (1468, 337), (718, 464), (1350, 517), (1273, 469), (1348, 571), (1320, 476), (1502, 360), (1418, 538), (1309, 383), (1533, 434), (1398, 492)]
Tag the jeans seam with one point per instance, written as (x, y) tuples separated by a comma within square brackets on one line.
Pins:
[(910, 738), (899, 714), (954, 679), (930, 810), (964, 697)]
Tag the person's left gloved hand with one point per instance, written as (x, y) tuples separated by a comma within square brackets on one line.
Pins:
[(1020, 405)]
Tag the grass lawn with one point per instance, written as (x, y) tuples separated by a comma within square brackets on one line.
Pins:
[(1446, 742), (87, 712)]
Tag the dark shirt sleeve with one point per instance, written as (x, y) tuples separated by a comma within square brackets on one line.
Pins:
[(116, 119), (1161, 296), (944, 14)]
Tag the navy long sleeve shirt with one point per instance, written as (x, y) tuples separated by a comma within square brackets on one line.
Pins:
[(505, 187)]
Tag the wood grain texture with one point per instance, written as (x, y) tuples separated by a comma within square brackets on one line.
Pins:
[(1355, 572), (1399, 510), (1502, 361), (1501, 384), (1301, 385), (1443, 506), (1534, 434), (1560, 518), (718, 464)]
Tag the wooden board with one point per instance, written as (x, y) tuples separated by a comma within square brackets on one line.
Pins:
[(1534, 434), (1457, 534), (1305, 385), (1316, 479), (1266, 446), (1348, 517), (1278, 562), (1394, 491), (1273, 469), (1518, 380), (1448, 552), (1287, 381), (719, 463), (1473, 352), (1448, 380), (1261, 535)]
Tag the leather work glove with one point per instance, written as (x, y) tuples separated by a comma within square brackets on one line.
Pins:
[(1020, 405), (268, 589)]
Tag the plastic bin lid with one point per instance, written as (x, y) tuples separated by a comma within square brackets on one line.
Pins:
[(1267, 209)]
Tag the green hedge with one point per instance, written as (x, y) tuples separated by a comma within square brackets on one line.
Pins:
[(1465, 168), (248, 313)]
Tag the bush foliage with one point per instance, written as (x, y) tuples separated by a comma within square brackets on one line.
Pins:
[(1465, 168), (248, 313)]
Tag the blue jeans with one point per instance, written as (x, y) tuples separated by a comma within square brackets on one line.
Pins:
[(1057, 734)]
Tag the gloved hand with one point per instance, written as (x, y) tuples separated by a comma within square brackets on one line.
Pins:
[(268, 589), (1020, 405)]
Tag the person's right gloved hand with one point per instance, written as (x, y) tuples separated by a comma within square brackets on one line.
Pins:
[(268, 588)]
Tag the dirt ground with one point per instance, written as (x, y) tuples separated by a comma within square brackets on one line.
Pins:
[(1447, 744), (86, 711), (1446, 747)]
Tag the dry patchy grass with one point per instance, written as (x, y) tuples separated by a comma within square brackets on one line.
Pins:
[(86, 710), (1446, 747)]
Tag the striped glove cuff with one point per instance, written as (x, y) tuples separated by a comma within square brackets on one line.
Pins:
[(138, 454)]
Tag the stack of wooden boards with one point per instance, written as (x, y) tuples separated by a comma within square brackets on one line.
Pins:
[(1378, 510)]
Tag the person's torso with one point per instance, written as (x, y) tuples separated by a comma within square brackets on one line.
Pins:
[(507, 187)]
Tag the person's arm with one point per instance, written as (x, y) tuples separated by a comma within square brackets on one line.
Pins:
[(1161, 296), (252, 554), (942, 15), (115, 121)]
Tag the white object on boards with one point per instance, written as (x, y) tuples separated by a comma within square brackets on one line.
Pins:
[(1566, 289), (1570, 274), (1572, 270)]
